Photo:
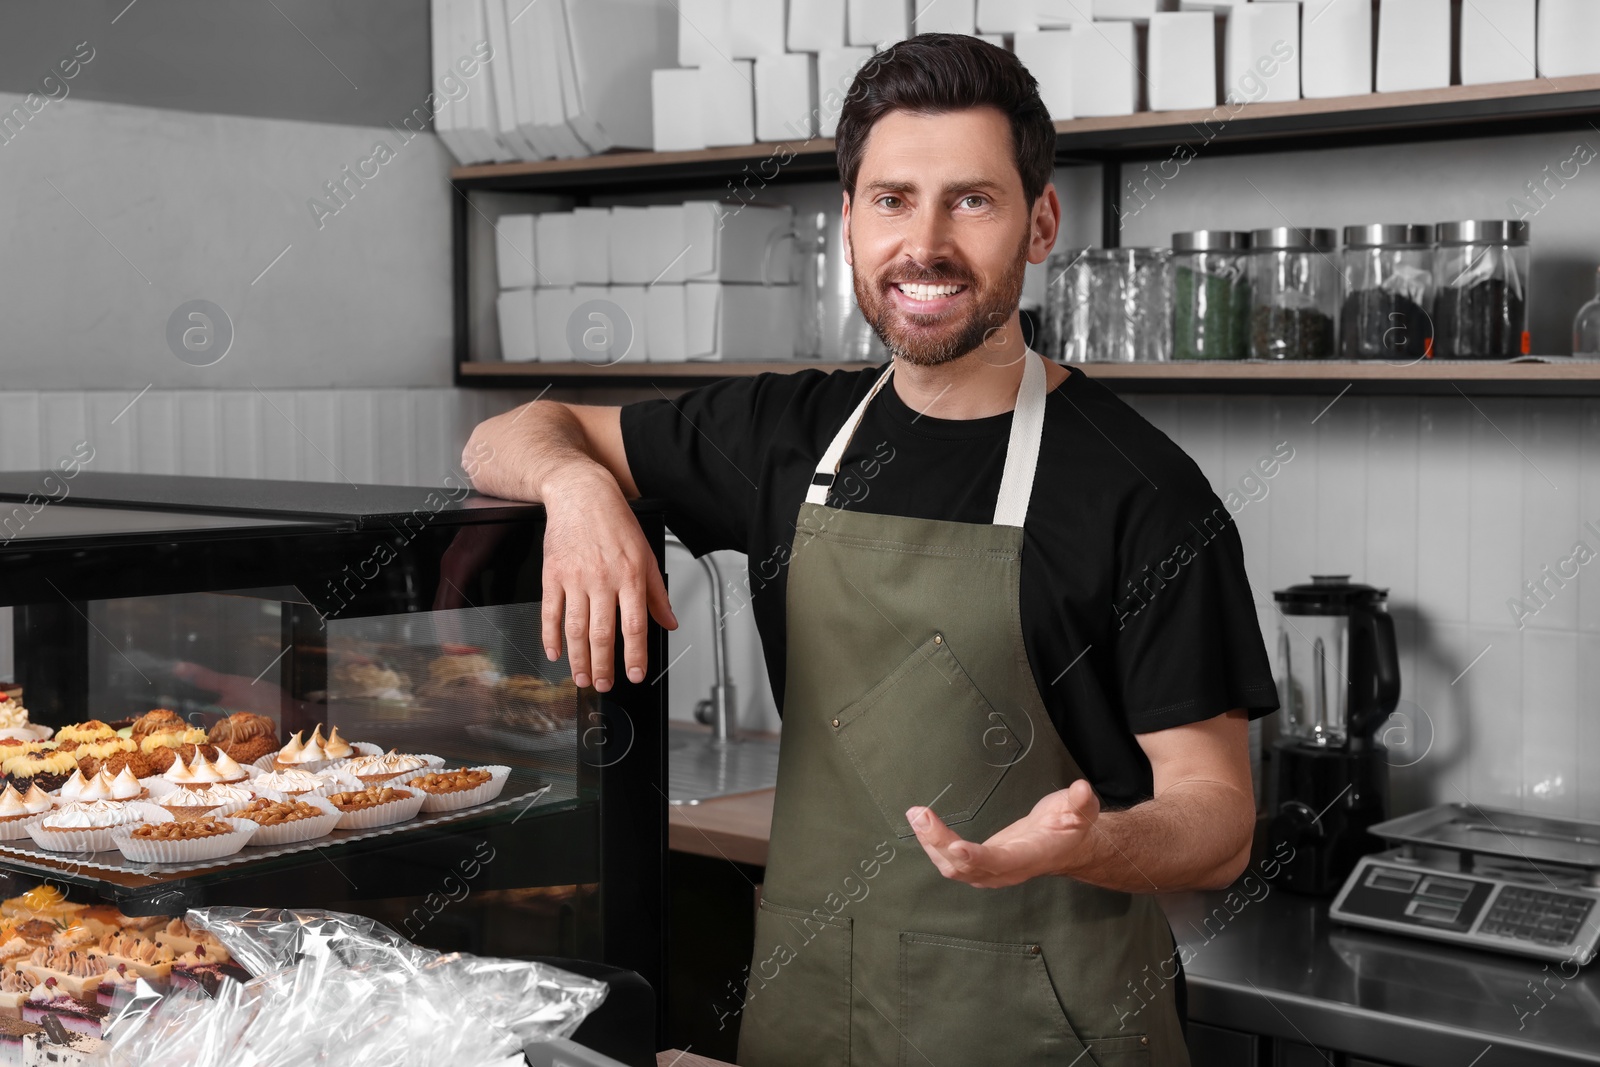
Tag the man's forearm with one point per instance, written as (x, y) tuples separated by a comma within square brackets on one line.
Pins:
[(523, 453), (1196, 835)]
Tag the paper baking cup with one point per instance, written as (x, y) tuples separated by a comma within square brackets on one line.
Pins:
[(17, 829), (98, 840), (201, 848), (301, 829), (468, 797), (384, 814)]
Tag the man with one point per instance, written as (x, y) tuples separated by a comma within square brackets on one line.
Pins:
[(1006, 619)]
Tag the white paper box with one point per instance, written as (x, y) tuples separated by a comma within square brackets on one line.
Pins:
[(815, 25), (1105, 69), (1182, 64), (1048, 56), (1124, 9), (553, 249), (664, 313), (502, 77), (1497, 41), (518, 338), (615, 44), (878, 22), (1413, 45), (598, 330), (551, 310), (1005, 16), (728, 103), (629, 265), (1262, 53), (1210, 5), (445, 121), (741, 322), (1336, 48), (591, 245), (1568, 34), (836, 70), (665, 248), (705, 31), (757, 28), (729, 242), (559, 80), (631, 299), (945, 16), (786, 96), (513, 252), (675, 110), (1057, 14)]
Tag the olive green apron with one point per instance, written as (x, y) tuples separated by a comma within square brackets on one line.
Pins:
[(908, 683)]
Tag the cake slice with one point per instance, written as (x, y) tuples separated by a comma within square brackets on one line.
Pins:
[(12, 1033), (14, 989)]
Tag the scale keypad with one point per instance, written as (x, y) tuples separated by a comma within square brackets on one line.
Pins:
[(1536, 915)]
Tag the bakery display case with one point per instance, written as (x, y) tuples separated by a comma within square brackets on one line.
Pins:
[(315, 696)]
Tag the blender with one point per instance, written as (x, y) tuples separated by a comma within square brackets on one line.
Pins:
[(1338, 681)]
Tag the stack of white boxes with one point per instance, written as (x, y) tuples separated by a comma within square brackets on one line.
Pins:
[(701, 280)]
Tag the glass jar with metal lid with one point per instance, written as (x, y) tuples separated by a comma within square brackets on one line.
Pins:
[(1109, 305), (1210, 294), (1480, 275), (1294, 293), (1388, 293)]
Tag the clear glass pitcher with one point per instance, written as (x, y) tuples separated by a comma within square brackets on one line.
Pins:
[(1338, 665)]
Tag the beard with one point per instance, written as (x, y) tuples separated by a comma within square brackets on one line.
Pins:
[(929, 340)]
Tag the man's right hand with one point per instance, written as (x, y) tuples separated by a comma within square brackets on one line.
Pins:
[(597, 561), (598, 568)]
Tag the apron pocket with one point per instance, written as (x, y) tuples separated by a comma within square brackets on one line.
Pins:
[(797, 1001), (965, 1001), (926, 735)]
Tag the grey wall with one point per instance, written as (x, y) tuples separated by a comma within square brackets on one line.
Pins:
[(360, 62)]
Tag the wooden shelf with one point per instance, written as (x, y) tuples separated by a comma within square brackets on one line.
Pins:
[(1456, 111), (1430, 377)]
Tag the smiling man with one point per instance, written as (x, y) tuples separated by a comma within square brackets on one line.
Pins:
[(987, 767)]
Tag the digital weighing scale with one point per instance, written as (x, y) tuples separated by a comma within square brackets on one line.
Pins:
[(1502, 880)]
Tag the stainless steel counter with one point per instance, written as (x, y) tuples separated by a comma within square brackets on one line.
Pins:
[(1272, 963)]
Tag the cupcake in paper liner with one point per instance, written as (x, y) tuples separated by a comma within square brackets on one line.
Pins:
[(283, 821), (183, 840), (388, 768), (385, 805), (215, 800), (465, 787), (18, 810), (88, 826), (316, 753)]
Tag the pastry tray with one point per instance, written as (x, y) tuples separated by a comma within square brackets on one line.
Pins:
[(112, 860), (1511, 835)]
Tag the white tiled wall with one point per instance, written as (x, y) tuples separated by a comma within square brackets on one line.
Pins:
[(1451, 504)]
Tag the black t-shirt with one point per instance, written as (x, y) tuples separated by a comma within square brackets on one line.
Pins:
[(1136, 611)]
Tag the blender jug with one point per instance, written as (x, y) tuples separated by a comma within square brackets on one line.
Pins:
[(1338, 681)]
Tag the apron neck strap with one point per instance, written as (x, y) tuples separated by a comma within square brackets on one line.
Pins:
[(1022, 451)]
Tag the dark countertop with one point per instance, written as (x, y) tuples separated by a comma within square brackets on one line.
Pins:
[(1277, 965)]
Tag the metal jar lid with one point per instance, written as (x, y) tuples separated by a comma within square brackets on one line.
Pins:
[(1328, 594), (1405, 236), (1293, 239), (1211, 241), (1483, 231)]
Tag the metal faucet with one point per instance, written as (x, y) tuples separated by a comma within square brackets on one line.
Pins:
[(717, 709)]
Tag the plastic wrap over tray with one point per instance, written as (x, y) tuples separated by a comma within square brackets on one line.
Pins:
[(344, 991)]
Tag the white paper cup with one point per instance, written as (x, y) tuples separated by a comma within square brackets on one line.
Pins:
[(301, 829), (467, 798), (97, 840), (16, 829), (384, 814), (201, 848)]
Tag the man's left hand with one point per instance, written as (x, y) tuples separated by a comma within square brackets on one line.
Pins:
[(1056, 837)]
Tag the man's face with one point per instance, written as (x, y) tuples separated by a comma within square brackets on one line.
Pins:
[(939, 231)]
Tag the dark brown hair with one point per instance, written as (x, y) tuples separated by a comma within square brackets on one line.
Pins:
[(933, 73)]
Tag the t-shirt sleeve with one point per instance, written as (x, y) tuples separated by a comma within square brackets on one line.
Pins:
[(1188, 643), (700, 455)]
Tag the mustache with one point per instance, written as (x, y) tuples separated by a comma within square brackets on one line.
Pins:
[(934, 274)]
